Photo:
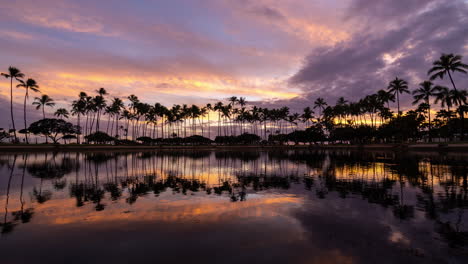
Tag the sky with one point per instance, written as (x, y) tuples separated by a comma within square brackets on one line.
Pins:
[(273, 52)]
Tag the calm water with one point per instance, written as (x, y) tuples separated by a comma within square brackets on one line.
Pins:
[(234, 207)]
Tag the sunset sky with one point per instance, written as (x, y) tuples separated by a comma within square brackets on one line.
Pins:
[(286, 52)]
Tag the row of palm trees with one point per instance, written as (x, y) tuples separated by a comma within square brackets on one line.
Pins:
[(140, 119), (29, 84)]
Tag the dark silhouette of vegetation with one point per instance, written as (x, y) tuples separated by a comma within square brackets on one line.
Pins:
[(13, 73), (55, 129), (368, 120)]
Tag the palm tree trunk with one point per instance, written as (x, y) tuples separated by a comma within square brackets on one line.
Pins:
[(43, 115), (25, 123), (398, 103), (209, 126), (11, 108), (451, 80), (462, 130), (97, 120), (78, 135), (108, 124), (117, 125), (430, 125), (86, 124)]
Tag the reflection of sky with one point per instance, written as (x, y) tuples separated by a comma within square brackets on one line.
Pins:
[(274, 225)]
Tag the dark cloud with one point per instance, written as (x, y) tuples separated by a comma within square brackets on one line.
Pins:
[(397, 38), (268, 12)]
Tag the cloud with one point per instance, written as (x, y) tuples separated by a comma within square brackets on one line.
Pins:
[(398, 38), (217, 48)]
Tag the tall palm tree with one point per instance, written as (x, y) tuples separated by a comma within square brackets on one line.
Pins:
[(397, 87), (385, 97), (219, 108), (62, 112), (29, 84), (320, 104), (444, 97), (99, 104), (307, 115), (459, 99), (447, 63), (42, 102), (79, 108), (424, 93), (13, 73), (209, 108), (117, 106)]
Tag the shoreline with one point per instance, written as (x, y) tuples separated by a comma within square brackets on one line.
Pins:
[(395, 147)]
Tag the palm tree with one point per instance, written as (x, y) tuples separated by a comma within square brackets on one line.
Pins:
[(423, 93), (320, 104), (385, 97), (13, 73), (459, 99), (447, 63), (117, 106), (29, 84), (62, 112), (42, 102), (307, 115), (397, 87), (444, 97), (99, 104), (79, 108), (209, 108), (219, 108)]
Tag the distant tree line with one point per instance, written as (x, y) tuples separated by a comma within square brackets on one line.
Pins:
[(101, 119)]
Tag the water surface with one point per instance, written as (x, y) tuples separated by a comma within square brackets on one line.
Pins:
[(293, 206)]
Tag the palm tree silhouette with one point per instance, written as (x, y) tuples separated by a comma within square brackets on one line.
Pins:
[(78, 109), (443, 96), (117, 106), (459, 99), (386, 97), (307, 115), (42, 102), (397, 87), (99, 104), (13, 73), (447, 63), (8, 226), (62, 112), (320, 104), (29, 84), (424, 93)]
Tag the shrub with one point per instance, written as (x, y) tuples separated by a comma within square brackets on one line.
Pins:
[(100, 138)]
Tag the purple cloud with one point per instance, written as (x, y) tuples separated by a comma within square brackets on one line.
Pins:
[(396, 38)]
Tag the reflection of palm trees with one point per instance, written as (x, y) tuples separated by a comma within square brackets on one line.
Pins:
[(127, 177), (8, 226), (24, 215), (401, 210)]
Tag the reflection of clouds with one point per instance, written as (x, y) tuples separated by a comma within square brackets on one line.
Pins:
[(354, 222), (176, 208), (398, 237)]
